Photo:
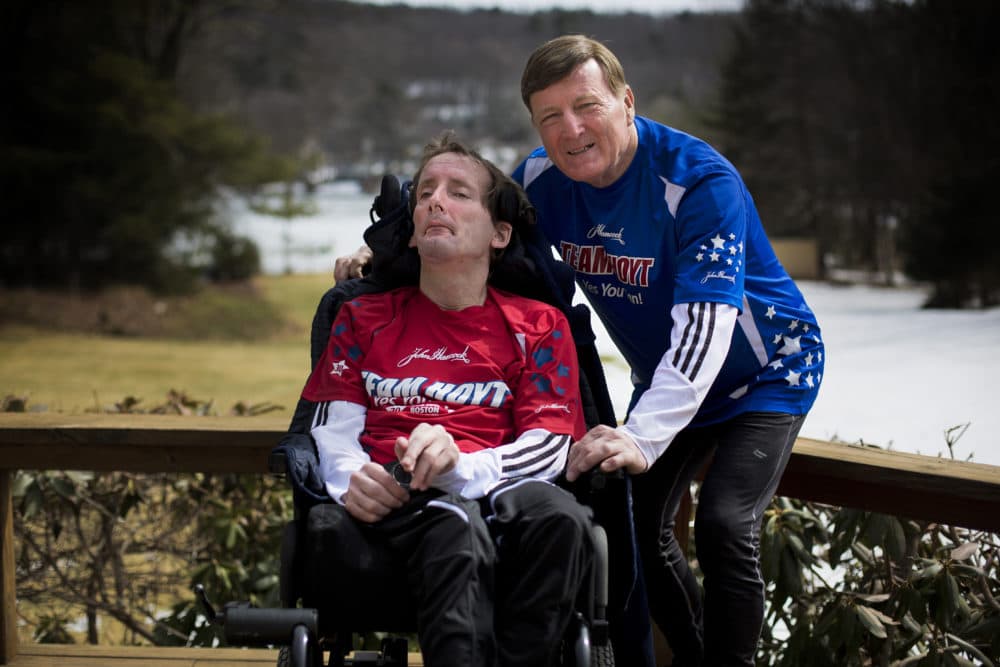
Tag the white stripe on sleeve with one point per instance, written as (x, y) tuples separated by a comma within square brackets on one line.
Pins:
[(537, 453), (699, 342), (337, 425)]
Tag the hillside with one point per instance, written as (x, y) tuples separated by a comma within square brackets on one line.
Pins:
[(362, 83)]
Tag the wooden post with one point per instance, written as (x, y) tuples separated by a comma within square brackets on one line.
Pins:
[(8, 612)]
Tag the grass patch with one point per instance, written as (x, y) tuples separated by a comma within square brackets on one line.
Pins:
[(220, 345)]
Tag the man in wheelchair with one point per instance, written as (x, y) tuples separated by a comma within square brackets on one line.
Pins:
[(444, 412)]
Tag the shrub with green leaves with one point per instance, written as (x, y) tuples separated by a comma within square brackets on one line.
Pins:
[(848, 587)]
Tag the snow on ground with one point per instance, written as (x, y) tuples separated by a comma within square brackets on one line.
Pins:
[(896, 376)]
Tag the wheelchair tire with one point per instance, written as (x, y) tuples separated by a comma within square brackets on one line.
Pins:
[(602, 656), (312, 657)]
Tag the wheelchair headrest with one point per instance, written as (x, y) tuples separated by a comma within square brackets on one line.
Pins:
[(395, 263), (511, 205)]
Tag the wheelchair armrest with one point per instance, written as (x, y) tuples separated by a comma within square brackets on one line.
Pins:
[(592, 483), (277, 462), (295, 457)]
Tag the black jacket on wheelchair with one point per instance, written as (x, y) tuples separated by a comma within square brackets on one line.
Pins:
[(371, 598)]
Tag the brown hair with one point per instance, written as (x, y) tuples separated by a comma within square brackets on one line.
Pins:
[(505, 200), (557, 58)]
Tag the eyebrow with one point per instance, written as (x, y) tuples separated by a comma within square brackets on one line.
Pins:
[(591, 95), (461, 182)]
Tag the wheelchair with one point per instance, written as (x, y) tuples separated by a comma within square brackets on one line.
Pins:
[(326, 604)]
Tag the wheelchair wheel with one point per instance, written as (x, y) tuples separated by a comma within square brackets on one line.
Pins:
[(303, 652), (602, 656)]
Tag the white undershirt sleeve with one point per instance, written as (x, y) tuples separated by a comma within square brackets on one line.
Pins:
[(699, 341), (537, 453), (337, 425)]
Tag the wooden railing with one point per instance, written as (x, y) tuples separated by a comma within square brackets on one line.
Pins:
[(906, 485)]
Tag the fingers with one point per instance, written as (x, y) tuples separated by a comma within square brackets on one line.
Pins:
[(605, 447), (352, 266), (372, 493), (428, 452)]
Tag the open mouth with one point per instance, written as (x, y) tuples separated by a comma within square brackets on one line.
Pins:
[(581, 151)]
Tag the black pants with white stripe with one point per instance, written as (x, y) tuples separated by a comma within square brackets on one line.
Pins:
[(496, 580), (746, 457)]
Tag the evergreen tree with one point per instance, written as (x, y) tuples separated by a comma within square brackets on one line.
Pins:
[(103, 165), (871, 125), (949, 240)]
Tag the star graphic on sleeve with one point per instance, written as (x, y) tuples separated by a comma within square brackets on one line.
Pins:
[(776, 364), (700, 256), (794, 325), (541, 382), (714, 256), (543, 356), (771, 312), (791, 346), (792, 378), (809, 359), (718, 243), (732, 250), (338, 368), (809, 381), (777, 338), (729, 261)]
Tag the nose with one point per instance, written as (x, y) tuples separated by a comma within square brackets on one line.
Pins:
[(434, 199), (572, 124)]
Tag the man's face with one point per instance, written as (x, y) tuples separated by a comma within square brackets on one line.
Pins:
[(586, 129), (450, 220)]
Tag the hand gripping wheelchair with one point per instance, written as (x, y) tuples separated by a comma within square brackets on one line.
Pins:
[(333, 582)]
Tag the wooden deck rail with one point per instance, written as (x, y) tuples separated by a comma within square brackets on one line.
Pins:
[(907, 485)]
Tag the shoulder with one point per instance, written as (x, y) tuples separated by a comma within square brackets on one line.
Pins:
[(529, 316), (679, 157), (537, 168), (372, 310)]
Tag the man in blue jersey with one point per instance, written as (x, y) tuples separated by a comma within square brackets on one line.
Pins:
[(726, 356)]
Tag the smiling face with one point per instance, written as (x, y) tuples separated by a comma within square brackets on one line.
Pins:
[(587, 129), (450, 218)]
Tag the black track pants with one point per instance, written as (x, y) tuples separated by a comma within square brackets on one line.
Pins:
[(747, 457)]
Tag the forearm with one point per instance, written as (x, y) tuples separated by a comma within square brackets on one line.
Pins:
[(537, 453), (336, 428), (699, 341)]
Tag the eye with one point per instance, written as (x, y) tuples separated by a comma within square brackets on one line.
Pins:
[(460, 194), (548, 119)]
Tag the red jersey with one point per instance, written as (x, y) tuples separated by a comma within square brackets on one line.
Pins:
[(486, 373)]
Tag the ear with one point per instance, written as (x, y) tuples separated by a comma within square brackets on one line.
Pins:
[(501, 234), (629, 105)]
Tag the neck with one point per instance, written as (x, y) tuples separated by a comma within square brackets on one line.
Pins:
[(454, 291)]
